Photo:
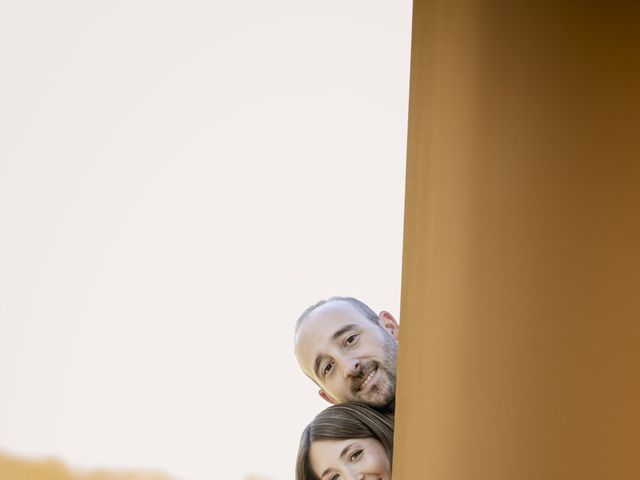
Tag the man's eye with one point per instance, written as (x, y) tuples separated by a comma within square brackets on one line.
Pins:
[(355, 455), (350, 339), (327, 368)]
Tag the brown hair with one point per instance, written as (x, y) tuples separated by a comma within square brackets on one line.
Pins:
[(342, 422)]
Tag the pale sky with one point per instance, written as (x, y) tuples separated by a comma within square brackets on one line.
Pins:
[(178, 182)]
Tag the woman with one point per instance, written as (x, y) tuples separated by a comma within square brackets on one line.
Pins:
[(345, 441)]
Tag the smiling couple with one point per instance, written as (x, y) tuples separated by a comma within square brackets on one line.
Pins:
[(349, 351)]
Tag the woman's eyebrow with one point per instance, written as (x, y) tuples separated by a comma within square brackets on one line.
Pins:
[(345, 450)]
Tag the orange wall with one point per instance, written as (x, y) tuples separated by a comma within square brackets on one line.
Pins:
[(520, 341)]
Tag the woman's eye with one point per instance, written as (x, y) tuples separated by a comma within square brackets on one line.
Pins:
[(327, 368), (355, 455), (334, 477)]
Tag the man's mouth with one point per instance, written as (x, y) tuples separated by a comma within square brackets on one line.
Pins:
[(368, 378)]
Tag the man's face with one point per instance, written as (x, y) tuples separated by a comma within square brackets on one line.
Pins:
[(350, 357)]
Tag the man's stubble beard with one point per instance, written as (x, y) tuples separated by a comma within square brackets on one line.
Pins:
[(384, 392)]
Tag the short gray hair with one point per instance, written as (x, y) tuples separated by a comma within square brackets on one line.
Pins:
[(360, 306)]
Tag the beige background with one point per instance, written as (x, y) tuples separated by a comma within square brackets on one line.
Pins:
[(178, 181)]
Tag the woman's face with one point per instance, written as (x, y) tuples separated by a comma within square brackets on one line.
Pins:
[(358, 458)]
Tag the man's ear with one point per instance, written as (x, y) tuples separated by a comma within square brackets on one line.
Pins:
[(327, 397), (386, 321)]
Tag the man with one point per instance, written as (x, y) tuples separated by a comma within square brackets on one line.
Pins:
[(349, 351)]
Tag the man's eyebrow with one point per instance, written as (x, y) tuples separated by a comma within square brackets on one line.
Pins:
[(316, 365), (342, 454), (336, 335)]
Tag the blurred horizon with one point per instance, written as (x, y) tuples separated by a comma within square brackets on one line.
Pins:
[(15, 467)]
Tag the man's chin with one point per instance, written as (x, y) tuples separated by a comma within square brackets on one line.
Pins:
[(377, 398), (377, 402)]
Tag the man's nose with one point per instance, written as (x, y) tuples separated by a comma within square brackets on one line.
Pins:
[(351, 366)]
